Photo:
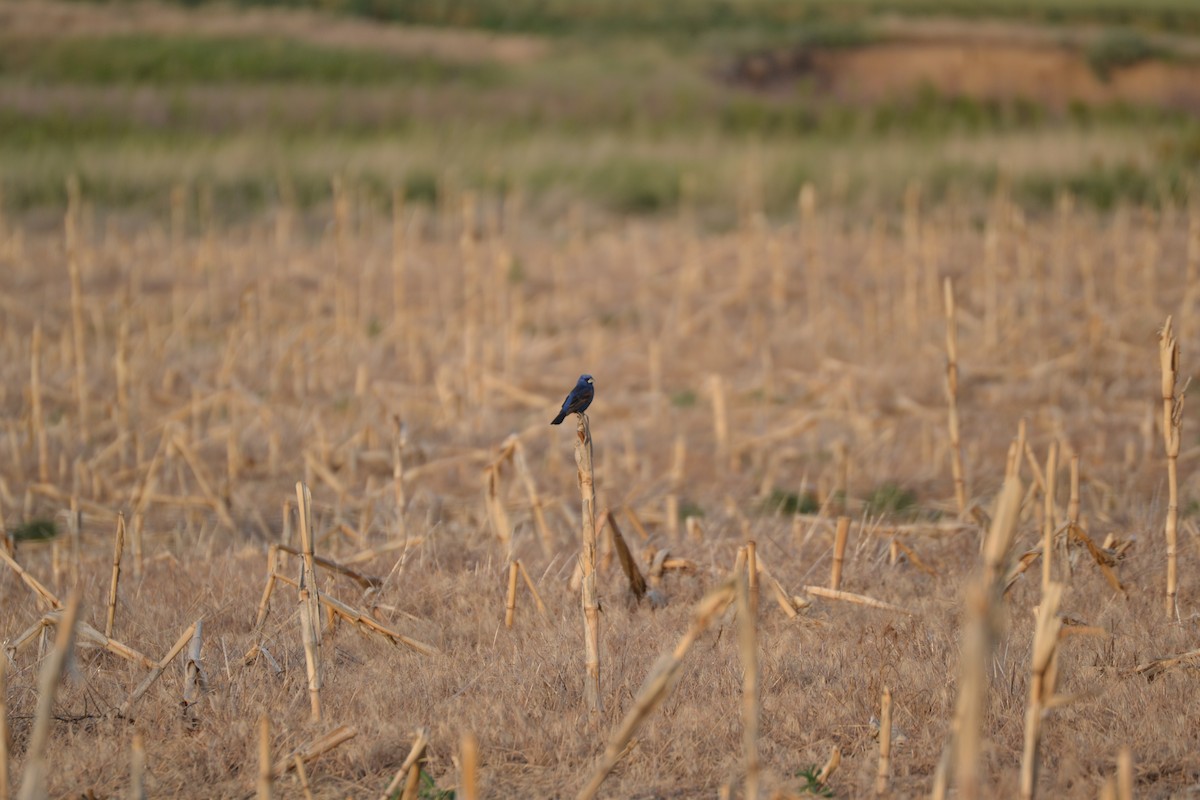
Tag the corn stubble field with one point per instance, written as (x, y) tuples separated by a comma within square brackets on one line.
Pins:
[(752, 385)]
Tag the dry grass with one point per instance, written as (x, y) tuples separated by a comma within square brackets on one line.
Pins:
[(254, 357)]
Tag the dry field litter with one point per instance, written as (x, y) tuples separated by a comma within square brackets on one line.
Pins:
[(317, 538)]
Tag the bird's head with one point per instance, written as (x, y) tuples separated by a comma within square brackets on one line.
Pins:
[(586, 379)]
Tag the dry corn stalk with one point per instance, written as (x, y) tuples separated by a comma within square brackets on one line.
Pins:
[(752, 575), (310, 637), (468, 765), (1105, 559), (840, 496), (302, 776), (914, 558), (1072, 514), (204, 481), (956, 459), (310, 602), (885, 742), (983, 600), (317, 747), (1172, 425), (75, 530), (781, 596), (137, 767), (85, 632), (365, 582), (411, 765), (1021, 566), (659, 683), (27, 637), (831, 764), (159, 668), (604, 546), (36, 419), (1125, 774), (748, 647), (142, 496), (637, 584), (1044, 671), (671, 511), (398, 474), (264, 758), (535, 500), (725, 457), (268, 589), (194, 683), (118, 548), (1048, 518), (537, 598), (3, 728), (71, 226), (44, 595), (587, 562), (370, 554), (839, 553), (510, 606), (315, 466), (361, 619), (636, 522), (857, 599), (37, 771), (1155, 667), (495, 506)]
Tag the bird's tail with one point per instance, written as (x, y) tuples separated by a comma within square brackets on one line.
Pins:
[(558, 420)]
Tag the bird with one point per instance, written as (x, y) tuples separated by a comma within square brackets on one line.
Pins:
[(578, 400)]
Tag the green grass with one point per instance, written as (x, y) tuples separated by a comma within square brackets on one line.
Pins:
[(641, 177), (684, 399), (891, 500), (1122, 48), (788, 503), (636, 186), (178, 60), (35, 530), (811, 784), (686, 19)]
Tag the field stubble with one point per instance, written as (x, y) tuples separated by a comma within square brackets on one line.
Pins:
[(187, 376)]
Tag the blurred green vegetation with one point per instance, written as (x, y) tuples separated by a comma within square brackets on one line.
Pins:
[(155, 60), (686, 19), (244, 172), (891, 500), (35, 530), (622, 120), (781, 501), (1122, 48)]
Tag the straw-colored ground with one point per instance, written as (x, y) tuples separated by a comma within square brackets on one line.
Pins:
[(221, 366)]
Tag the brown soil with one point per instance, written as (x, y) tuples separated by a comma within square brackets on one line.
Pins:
[(1051, 76), (986, 68)]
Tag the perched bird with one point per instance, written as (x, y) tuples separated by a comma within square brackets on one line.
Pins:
[(578, 400)]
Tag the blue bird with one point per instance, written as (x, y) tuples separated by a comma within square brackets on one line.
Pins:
[(578, 400)]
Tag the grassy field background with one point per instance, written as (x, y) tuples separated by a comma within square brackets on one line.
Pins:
[(633, 117), (245, 246)]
